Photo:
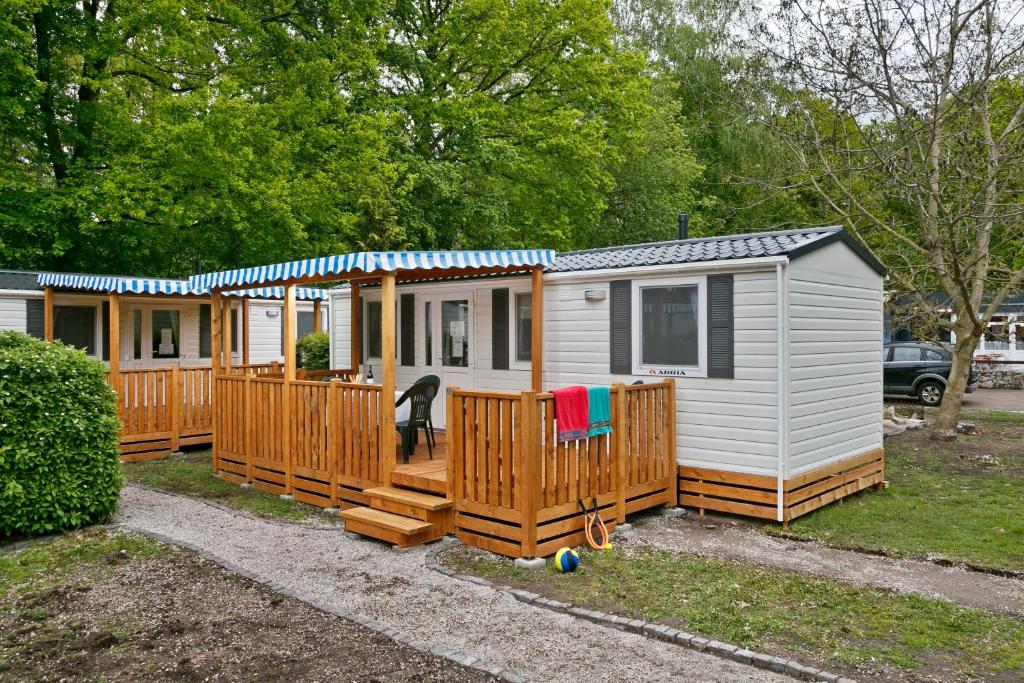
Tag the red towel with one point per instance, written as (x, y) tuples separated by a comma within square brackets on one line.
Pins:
[(572, 410)]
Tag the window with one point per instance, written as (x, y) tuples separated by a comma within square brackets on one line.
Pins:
[(165, 329), (428, 329), (236, 315), (373, 339), (205, 326), (523, 327), (303, 323), (76, 326), (670, 326), (935, 356), (906, 354), (137, 335), (455, 333)]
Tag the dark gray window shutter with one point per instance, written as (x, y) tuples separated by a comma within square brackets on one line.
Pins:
[(721, 354), (34, 317), (106, 330), (499, 329), (205, 327), (407, 307), (621, 305)]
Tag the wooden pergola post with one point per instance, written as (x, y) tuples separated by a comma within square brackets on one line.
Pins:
[(289, 377), (216, 339), (354, 329), (316, 315), (228, 318), (387, 375), (537, 330), (113, 342), (245, 331), (48, 314)]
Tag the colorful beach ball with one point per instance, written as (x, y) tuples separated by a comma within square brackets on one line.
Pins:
[(566, 560)]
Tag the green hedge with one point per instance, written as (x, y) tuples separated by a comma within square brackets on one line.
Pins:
[(314, 351), (59, 459)]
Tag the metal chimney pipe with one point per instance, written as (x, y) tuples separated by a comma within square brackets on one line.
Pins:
[(684, 226)]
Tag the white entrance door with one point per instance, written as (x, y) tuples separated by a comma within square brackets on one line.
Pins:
[(448, 346)]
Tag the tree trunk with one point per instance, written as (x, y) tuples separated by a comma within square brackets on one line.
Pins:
[(944, 428)]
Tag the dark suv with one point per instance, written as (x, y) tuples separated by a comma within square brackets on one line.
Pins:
[(920, 369)]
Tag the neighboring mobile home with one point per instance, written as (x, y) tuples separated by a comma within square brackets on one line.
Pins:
[(162, 324), (774, 340), (162, 333)]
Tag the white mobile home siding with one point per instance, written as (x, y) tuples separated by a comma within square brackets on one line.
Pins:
[(729, 424), (835, 366), (13, 312)]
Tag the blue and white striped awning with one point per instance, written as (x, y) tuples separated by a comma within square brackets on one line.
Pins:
[(375, 262), (301, 293), (115, 284), (110, 284)]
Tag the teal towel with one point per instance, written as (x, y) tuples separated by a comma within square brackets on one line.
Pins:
[(600, 411)]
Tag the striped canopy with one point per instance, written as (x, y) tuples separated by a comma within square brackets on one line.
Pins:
[(114, 284), (363, 263), (111, 284)]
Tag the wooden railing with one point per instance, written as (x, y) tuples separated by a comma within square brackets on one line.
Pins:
[(162, 409), (317, 441), (516, 488)]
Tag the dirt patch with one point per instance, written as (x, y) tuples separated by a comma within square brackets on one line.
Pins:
[(179, 617)]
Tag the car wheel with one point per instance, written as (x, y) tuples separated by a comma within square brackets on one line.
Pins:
[(930, 393)]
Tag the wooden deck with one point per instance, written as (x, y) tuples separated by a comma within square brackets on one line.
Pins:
[(499, 478)]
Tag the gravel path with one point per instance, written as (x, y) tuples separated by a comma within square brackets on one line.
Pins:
[(396, 589), (972, 589)]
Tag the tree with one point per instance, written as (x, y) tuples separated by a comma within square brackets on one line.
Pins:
[(906, 118), (514, 118), (701, 67), (139, 136)]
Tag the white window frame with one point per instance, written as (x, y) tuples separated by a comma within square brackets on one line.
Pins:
[(699, 370), (147, 318), (364, 323), (513, 357), (98, 342)]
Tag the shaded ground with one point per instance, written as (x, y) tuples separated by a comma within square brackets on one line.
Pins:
[(961, 500), (396, 590), (98, 606), (862, 632), (191, 474)]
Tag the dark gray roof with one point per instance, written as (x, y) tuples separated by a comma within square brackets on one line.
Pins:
[(19, 279), (792, 243)]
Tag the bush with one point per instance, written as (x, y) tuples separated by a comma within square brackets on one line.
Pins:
[(313, 352), (59, 460)]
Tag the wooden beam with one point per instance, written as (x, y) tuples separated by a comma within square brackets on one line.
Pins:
[(316, 315), (113, 342), (289, 333), (245, 331), (216, 343), (229, 320), (387, 375), (537, 330), (354, 329), (48, 314), (289, 377)]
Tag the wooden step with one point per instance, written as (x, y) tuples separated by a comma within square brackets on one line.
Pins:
[(412, 498), (433, 483), (385, 526)]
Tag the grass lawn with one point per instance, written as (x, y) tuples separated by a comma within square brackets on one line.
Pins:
[(862, 632), (961, 500), (190, 474)]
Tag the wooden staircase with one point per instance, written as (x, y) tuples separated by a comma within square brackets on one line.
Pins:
[(401, 516)]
